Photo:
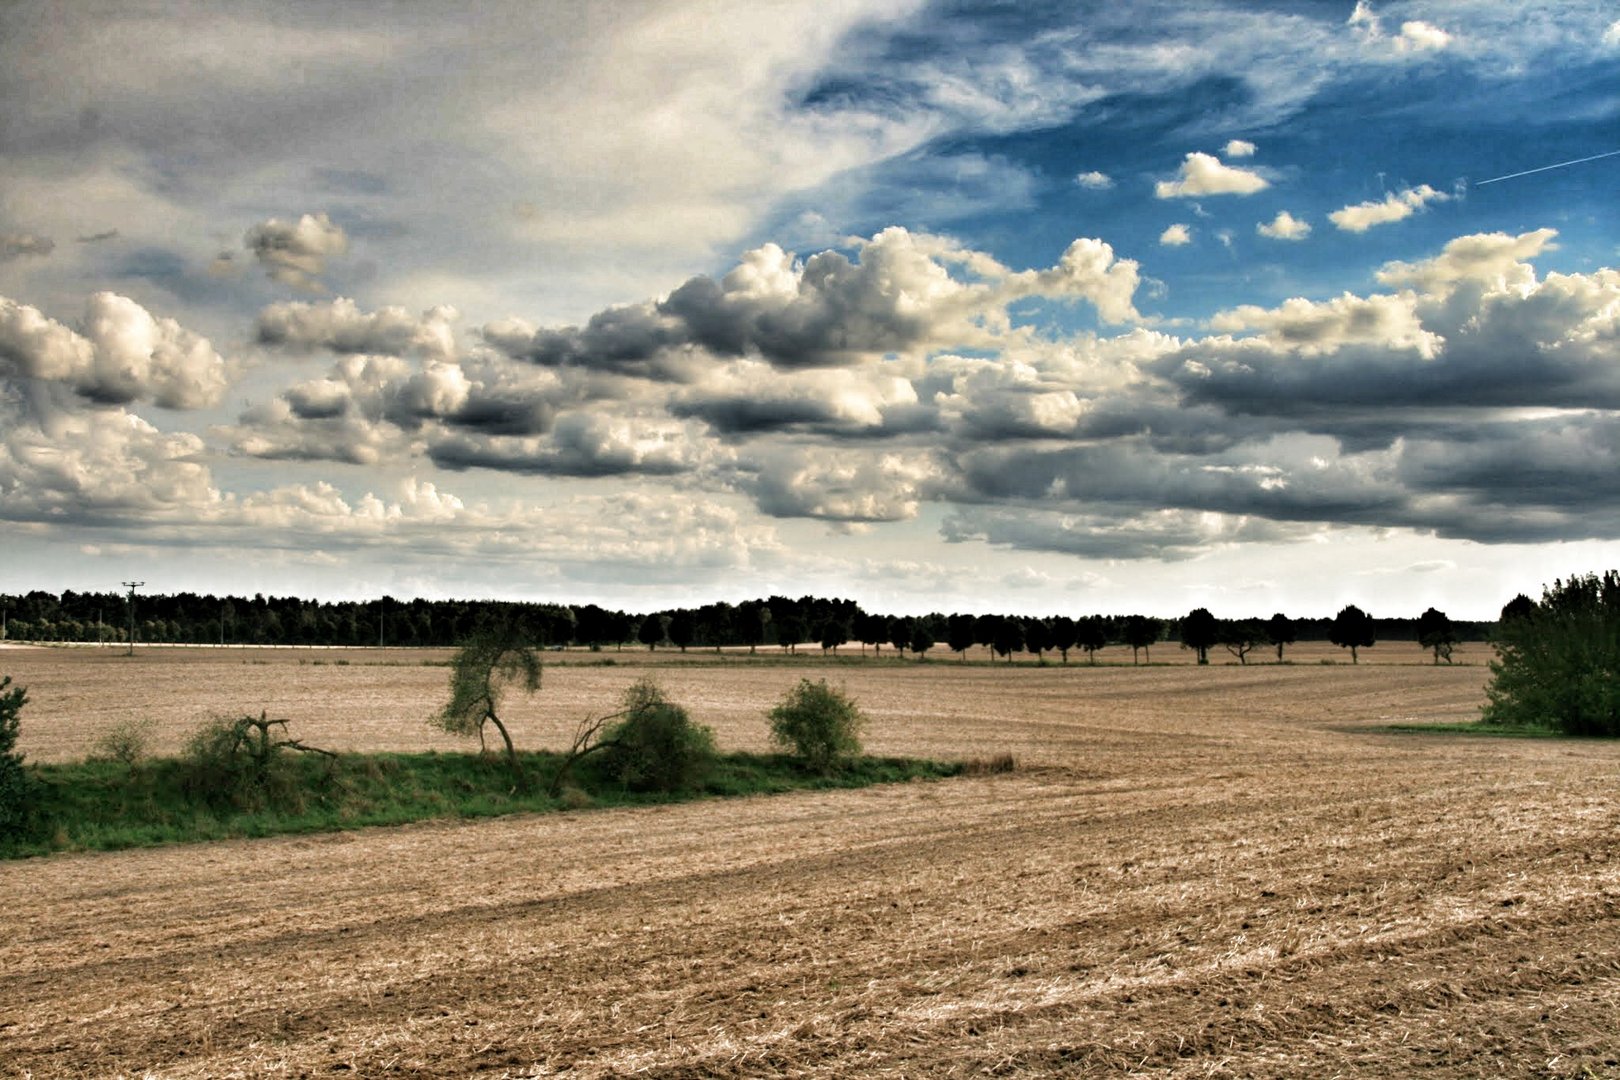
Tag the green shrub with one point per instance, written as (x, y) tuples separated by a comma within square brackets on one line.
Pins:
[(1558, 663), (239, 763), (818, 724), (16, 790), (657, 747)]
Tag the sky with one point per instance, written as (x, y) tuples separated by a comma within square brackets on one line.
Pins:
[(1040, 308)]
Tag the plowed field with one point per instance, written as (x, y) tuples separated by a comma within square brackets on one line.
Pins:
[(1216, 871)]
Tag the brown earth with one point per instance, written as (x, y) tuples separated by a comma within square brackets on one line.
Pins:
[(1216, 871)]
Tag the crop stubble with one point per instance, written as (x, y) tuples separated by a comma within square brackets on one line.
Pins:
[(1213, 871)]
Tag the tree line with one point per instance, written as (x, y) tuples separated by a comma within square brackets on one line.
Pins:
[(806, 622)]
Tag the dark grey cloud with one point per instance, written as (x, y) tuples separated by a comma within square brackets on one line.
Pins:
[(17, 245), (295, 252), (1167, 535), (579, 445), (341, 326)]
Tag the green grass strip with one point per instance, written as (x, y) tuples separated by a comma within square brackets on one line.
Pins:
[(106, 806), (1472, 727)]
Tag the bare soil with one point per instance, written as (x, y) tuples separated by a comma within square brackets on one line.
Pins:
[(1220, 871)]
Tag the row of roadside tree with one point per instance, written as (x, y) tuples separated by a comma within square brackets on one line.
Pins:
[(778, 621)]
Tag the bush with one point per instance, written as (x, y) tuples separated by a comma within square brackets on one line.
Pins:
[(1558, 663), (126, 742), (239, 763), (657, 747), (16, 790), (818, 724)]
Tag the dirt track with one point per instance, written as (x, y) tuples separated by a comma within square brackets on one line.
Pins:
[(1204, 872)]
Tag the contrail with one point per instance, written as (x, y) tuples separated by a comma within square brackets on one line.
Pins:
[(1544, 168)]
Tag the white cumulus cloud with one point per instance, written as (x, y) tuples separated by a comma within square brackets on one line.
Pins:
[(1396, 206), (1204, 174), (1284, 226), (1175, 236), (1094, 180), (1237, 148)]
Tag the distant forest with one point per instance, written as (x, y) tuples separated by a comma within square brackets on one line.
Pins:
[(809, 621)]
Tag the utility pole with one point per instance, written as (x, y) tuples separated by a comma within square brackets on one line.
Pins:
[(132, 586)]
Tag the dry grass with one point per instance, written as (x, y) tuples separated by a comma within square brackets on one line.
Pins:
[(1192, 872)]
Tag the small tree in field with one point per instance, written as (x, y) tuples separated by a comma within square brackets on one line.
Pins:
[(1091, 634), (1435, 632), (1200, 631), (1558, 661), (1241, 637), (480, 672), (818, 724), (921, 640), (1280, 631), (1352, 629), (1140, 632), (14, 785), (960, 634)]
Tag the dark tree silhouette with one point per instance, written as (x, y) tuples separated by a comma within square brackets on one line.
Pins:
[(1140, 632), (833, 634), (960, 634), (1061, 633), (652, 631), (1091, 634), (900, 632), (1199, 631), (1519, 607), (1280, 631), (682, 629), (921, 639), (1241, 637), (1352, 629), (1435, 632), (1037, 638), (1009, 636)]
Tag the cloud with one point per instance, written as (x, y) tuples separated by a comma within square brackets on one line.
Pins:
[(18, 245), (581, 444), (1393, 207), (748, 398), (1284, 226), (121, 353), (1419, 36), (1238, 148), (1479, 331), (294, 253), (1204, 174), (98, 238), (1498, 260), (64, 464), (1611, 36), (340, 326), (840, 485), (1097, 181), (903, 293), (1175, 236), (1168, 535)]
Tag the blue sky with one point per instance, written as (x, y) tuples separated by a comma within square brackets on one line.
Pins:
[(1049, 308)]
